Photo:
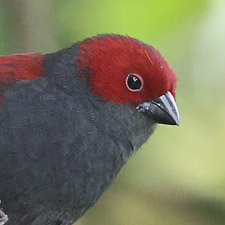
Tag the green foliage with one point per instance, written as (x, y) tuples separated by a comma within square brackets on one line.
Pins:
[(146, 20)]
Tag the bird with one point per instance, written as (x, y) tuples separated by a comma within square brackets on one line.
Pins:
[(70, 120)]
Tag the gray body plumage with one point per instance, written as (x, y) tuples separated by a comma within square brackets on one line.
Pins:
[(61, 146)]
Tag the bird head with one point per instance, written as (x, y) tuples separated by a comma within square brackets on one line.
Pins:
[(126, 71)]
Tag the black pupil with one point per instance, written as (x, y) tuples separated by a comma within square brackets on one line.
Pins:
[(133, 82)]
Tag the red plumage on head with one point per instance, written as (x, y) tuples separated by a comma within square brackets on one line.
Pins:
[(110, 58)]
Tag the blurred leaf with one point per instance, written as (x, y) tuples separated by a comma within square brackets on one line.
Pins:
[(146, 20)]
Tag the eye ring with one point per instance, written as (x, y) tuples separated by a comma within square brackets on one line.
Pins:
[(134, 82)]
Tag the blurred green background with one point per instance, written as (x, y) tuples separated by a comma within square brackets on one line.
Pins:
[(178, 177)]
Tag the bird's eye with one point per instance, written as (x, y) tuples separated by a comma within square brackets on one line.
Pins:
[(134, 82)]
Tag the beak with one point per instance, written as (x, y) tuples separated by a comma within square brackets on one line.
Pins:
[(162, 109)]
